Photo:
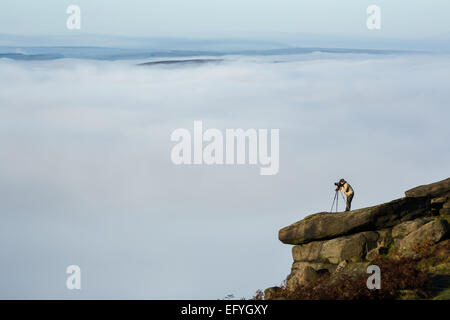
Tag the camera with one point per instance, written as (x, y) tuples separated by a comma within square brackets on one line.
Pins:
[(336, 184)]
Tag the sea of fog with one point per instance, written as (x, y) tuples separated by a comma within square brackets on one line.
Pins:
[(86, 176)]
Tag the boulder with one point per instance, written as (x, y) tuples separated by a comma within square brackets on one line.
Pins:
[(271, 293), (434, 231), (353, 271), (432, 190), (352, 248), (301, 273), (325, 225), (301, 277), (404, 228)]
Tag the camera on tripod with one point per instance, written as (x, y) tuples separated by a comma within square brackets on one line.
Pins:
[(338, 185)]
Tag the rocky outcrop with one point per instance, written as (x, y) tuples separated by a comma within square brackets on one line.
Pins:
[(353, 248), (432, 190), (434, 231), (402, 229), (346, 242), (301, 275), (326, 225)]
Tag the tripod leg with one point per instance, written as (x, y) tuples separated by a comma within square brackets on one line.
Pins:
[(337, 200), (334, 199)]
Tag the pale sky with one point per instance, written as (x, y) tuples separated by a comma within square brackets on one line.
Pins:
[(231, 18), (86, 176)]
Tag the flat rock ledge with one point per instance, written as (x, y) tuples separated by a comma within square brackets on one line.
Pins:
[(326, 225)]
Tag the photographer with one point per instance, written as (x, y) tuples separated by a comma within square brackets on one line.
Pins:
[(347, 190)]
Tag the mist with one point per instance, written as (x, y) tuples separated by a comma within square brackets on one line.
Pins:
[(86, 176)]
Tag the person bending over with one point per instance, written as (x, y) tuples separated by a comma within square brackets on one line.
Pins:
[(347, 189)]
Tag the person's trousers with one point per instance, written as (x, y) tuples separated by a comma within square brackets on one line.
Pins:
[(349, 202)]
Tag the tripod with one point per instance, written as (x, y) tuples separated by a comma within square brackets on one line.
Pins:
[(336, 200)]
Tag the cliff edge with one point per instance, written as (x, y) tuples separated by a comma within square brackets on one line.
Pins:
[(407, 238)]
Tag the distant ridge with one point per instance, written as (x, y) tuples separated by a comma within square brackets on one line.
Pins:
[(113, 54), (185, 61)]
